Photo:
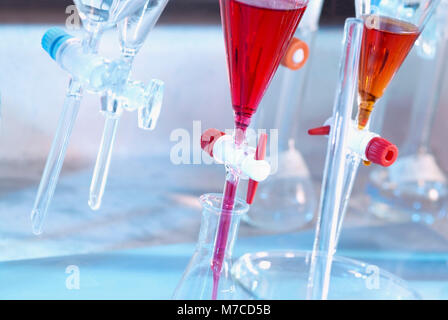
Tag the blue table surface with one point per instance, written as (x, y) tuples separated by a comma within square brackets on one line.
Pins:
[(153, 272)]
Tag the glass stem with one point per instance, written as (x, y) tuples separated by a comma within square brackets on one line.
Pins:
[(338, 175), (228, 203), (59, 146), (101, 171)]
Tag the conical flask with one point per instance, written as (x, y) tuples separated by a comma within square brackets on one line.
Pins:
[(197, 282)]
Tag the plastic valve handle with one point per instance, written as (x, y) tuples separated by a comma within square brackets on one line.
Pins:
[(296, 55), (149, 113), (259, 155), (211, 136), (379, 150)]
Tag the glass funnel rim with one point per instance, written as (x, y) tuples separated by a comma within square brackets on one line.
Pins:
[(294, 4), (418, 19), (212, 202)]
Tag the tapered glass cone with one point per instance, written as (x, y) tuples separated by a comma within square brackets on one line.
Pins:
[(257, 34), (135, 28), (106, 13), (390, 30)]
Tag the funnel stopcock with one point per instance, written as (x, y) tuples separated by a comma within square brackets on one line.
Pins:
[(208, 139), (260, 155), (382, 152), (53, 39)]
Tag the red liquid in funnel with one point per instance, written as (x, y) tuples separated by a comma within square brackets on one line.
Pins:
[(257, 35)]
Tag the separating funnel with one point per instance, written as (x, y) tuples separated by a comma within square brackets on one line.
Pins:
[(416, 188), (133, 31), (96, 16), (390, 29), (386, 30), (257, 34)]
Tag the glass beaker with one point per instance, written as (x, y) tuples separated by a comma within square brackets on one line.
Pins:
[(198, 280)]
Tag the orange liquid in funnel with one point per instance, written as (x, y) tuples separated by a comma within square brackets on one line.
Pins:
[(386, 43), (257, 34)]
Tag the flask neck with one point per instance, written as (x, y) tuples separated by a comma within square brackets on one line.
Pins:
[(209, 231), (200, 278)]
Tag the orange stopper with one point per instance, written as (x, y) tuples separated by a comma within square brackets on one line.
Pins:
[(296, 55)]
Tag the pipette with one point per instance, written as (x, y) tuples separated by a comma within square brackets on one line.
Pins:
[(86, 70), (257, 35), (133, 31)]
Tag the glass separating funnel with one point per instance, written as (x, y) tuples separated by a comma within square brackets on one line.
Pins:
[(96, 16), (390, 29), (133, 31), (416, 188), (286, 200), (257, 34), (386, 29)]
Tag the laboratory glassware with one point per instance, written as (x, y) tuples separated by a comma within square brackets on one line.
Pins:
[(89, 71), (415, 188), (133, 31), (287, 199), (257, 34), (390, 31), (283, 275), (386, 29), (198, 279), (347, 147)]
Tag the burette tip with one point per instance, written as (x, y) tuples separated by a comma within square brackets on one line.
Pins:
[(94, 202), (36, 221)]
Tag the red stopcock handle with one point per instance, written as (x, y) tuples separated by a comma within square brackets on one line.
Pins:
[(378, 150), (260, 155), (208, 140)]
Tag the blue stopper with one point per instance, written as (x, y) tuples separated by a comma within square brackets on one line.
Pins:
[(53, 39)]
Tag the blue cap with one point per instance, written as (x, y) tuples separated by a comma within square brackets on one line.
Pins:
[(53, 39)]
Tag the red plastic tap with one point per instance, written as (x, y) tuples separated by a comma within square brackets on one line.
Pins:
[(378, 150), (208, 139), (259, 155)]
